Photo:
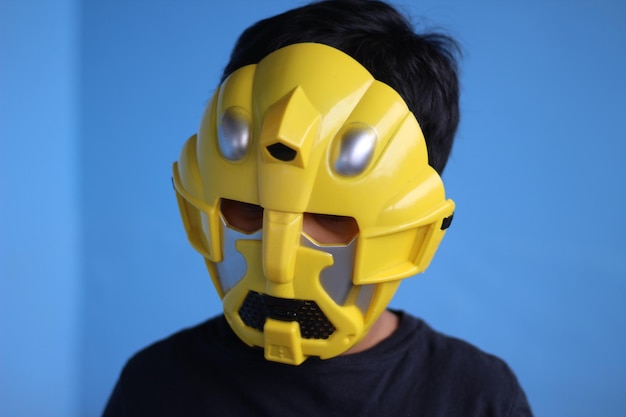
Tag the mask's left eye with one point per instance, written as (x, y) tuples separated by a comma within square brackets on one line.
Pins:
[(245, 217)]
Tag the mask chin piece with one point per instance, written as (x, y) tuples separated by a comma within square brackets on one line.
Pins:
[(282, 342)]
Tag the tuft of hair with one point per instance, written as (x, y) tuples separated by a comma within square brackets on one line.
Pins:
[(421, 67)]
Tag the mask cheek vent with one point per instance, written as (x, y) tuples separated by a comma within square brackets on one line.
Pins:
[(234, 266), (257, 308)]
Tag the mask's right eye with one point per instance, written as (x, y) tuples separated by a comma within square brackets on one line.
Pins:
[(245, 217), (233, 134)]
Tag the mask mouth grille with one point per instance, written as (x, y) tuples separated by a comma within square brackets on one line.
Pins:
[(257, 307)]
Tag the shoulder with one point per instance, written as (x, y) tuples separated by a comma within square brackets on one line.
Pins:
[(169, 375), (181, 349), (172, 359), (474, 379), (449, 352), (183, 339)]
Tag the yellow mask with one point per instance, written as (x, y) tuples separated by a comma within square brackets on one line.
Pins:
[(309, 130)]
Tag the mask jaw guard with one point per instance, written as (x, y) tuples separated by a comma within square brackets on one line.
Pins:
[(282, 342)]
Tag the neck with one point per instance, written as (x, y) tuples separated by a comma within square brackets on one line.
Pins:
[(384, 327)]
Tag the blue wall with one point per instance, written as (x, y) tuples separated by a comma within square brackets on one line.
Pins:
[(40, 344), (97, 98)]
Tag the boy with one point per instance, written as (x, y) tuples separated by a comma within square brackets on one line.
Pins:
[(312, 189)]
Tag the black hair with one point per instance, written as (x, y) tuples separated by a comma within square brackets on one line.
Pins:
[(422, 68)]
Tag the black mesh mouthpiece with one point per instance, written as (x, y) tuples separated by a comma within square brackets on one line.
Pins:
[(257, 308)]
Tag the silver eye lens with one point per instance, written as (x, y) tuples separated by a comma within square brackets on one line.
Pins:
[(354, 149), (233, 133)]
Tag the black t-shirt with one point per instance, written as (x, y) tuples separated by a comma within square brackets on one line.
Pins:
[(207, 371)]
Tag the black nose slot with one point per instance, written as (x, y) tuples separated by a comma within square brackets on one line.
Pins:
[(282, 152)]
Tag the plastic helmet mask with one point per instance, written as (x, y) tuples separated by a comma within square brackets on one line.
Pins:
[(309, 131)]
